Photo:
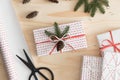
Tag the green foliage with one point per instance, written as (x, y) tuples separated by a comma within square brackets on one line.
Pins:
[(93, 6), (59, 34), (48, 33), (65, 31), (79, 3), (57, 30)]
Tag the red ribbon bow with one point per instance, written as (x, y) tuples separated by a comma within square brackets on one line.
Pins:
[(63, 38), (111, 44)]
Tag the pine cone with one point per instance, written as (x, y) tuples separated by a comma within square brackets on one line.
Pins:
[(54, 1), (60, 45)]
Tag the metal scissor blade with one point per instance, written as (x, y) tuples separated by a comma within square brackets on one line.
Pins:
[(29, 60), (26, 63)]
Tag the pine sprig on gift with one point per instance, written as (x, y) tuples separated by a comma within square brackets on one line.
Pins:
[(65, 31), (48, 33), (57, 30), (58, 33), (93, 6)]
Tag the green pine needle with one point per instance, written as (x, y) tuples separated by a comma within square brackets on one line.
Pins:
[(93, 10), (65, 31), (57, 30), (89, 8), (102, 10), (59, 34), (79, 3), (86, 6), (48, 33), (93, 6), (105, 2)]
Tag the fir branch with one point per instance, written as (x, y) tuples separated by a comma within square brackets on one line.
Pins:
[(100, 7), (59, 34), (79, 3), (48, 33), (93, 6), (93, 10), (57, 30), (64, 33), (105, 2), (86, 6), (97, 4)]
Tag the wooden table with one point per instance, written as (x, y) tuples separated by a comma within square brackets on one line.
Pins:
[(66, 66)]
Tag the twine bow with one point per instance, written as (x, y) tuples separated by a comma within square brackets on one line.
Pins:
[(56, 40), (111, 44)]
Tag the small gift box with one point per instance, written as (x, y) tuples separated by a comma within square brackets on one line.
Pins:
[(49, 40), (109, 41), (92, 67), (111, 66)]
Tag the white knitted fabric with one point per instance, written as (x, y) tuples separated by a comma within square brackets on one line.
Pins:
[(91, 69)]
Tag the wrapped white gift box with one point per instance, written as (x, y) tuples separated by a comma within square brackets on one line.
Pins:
[(77, 39), (111, 66), (91, 69), (109, 41)]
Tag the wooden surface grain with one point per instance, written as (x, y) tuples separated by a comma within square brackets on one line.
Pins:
[(66, 66)]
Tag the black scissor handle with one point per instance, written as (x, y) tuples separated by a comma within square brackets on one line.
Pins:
[(41, 74), (47, 69), (34, 75)]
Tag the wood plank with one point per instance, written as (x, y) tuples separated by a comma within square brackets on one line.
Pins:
[(66, 66)]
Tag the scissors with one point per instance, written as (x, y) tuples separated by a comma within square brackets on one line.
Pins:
[(34, 70)]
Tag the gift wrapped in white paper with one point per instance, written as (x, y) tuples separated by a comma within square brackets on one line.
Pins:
[(92, 67), (109, 41), (76, 31), (111, 66)]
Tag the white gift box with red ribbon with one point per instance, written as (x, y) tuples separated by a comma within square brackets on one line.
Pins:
[(75, 40), (109, 41), (111, 66), (92, 67)]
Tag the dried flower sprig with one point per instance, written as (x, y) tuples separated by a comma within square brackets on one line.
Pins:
[(58, 34)]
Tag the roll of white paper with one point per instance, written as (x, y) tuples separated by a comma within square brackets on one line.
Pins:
[(12, 42)]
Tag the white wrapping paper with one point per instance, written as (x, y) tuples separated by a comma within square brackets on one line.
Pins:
[(109, 41), (76, 28), (92, 67), (111, 66)]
